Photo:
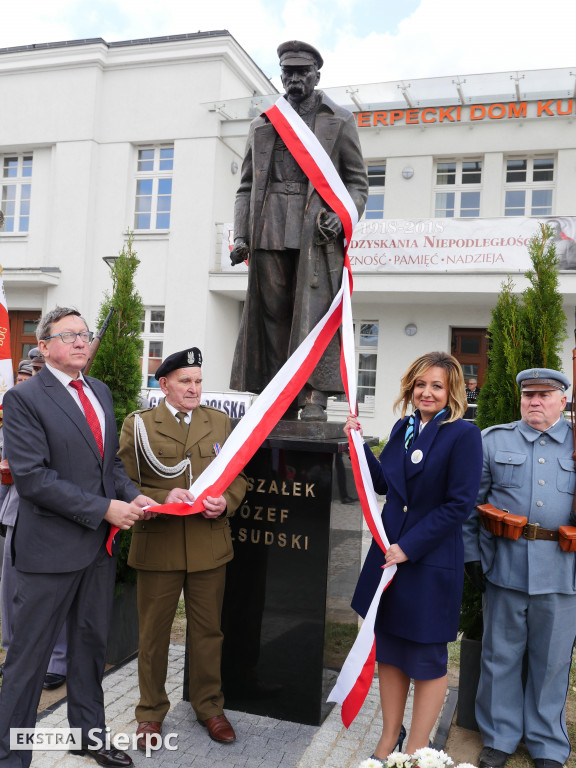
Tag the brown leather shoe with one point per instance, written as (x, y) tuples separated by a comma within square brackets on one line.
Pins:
[(219, 729), (144, 734)]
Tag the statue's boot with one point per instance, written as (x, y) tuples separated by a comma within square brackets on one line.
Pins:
[(314, 407)]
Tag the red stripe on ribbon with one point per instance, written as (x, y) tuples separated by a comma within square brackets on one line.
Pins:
[(352, 704), (178, 509), (310, 168), (363, 497)]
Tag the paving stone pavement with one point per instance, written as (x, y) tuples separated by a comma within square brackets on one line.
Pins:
[(261, 741)]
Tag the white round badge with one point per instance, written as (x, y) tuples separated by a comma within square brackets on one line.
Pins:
[(417, 457)]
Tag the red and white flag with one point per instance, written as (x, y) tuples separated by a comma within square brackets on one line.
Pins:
[(6, 371)]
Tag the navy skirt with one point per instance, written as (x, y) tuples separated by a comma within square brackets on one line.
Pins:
[(420, 661)]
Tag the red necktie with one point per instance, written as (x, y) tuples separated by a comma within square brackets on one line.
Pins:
[(90, 413)]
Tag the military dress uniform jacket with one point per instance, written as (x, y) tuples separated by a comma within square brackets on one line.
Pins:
[(429, 491), (528, 473), (169, 543)]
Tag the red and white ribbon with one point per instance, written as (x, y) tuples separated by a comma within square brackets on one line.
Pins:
[(357, 673)]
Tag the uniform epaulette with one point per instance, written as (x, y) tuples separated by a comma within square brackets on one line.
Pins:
[(510, 425), (141, 410), (211, 408)]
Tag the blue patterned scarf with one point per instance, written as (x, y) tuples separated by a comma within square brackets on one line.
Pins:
[(409, 435)]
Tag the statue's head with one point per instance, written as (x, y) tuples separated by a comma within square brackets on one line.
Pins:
[(300, 65)]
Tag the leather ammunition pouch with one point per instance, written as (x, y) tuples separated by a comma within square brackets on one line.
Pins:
[(500, 522), (567, 538)]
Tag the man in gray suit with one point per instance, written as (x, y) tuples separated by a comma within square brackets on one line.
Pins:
[(62, 442)]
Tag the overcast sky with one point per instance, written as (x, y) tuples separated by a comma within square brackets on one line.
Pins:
[(362, 41)]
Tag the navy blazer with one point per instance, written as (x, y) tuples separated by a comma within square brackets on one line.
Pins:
[(427, 500), (65, 487)]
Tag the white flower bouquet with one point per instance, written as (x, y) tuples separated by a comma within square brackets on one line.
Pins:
[(422, 758)]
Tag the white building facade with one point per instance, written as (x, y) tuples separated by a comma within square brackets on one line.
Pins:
[(100, 138)]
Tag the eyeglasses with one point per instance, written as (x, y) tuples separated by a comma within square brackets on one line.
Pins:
[(69, 337)]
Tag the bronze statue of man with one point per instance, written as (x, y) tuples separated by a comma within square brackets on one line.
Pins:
[(294, 241)]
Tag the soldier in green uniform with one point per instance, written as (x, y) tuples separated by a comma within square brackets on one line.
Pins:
[(164, 449)]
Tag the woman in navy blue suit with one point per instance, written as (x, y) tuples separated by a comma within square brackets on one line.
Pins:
[(430, 472)]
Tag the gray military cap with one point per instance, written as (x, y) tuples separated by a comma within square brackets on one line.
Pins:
[(541, 379), (25, 366)]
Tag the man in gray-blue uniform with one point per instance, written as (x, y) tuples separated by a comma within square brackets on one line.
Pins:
[(530, 592)]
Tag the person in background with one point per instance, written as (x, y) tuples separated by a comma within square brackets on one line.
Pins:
[(36, 358), (472, 390), (529, 594), (430, 472), (24, 372), (9, 500)]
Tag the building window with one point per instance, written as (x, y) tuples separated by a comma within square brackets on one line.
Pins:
[(457, 189), (16, 191), (154, 188), (152, 344), (529, 186), (366, 346), (375, 202)]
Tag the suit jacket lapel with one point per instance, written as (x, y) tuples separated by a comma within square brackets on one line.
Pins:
[(394, 460), (423, 444)]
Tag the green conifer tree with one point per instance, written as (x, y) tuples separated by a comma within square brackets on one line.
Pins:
[(498, 399), (525, 333), (117, 362), (543, 319)]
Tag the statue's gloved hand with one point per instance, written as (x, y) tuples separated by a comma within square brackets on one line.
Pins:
[(474, 572), (239, 252), (328, 226)]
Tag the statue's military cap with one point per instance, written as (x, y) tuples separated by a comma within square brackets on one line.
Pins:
[(188, 358), (295, 53), (541, 379)]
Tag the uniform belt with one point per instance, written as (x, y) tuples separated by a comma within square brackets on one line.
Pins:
[(532, 531), (289, 187)]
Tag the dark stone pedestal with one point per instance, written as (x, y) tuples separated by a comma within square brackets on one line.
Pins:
[(123, 636), (297, 550), (279, 583), (470, 653)]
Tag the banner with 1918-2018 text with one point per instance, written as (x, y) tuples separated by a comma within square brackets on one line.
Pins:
[(445, 245)]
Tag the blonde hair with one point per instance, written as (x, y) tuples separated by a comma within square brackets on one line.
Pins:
[(454, 379)]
